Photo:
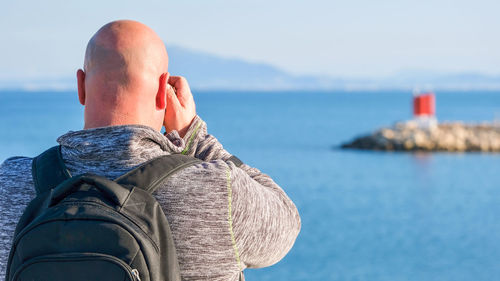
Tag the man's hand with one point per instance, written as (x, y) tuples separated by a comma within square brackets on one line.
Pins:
[(181, 109)]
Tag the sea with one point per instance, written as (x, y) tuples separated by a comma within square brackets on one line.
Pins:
[(366, 215)]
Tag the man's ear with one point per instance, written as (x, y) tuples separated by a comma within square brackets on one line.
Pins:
[(161, 95), (80, 77)]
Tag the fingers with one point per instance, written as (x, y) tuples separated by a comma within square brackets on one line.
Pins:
[(172, 100), (181, 109), (177, 81), (182, 89)]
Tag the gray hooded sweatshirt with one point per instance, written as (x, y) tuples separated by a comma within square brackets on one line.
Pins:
[(223, 218)]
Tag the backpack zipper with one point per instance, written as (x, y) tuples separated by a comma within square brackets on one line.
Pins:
[(135, 273), (103, 207)]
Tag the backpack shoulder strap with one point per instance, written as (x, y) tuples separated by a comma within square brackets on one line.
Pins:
[(149, 175), (48, 170), (236, 161)]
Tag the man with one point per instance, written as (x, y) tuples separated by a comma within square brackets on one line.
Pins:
[(224, 217)]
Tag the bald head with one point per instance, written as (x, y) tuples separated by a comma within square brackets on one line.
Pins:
[(125, 62)]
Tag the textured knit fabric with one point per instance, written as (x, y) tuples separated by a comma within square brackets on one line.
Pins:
[(223, 218)]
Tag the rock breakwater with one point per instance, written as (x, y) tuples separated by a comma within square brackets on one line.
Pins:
[(453, 136)]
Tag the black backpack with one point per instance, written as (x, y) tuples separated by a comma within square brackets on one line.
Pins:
[(89, 228)]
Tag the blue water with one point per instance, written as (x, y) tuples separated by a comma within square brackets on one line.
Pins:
[(365, 215)]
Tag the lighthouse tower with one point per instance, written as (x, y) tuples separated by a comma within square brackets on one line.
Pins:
[(424, 109)]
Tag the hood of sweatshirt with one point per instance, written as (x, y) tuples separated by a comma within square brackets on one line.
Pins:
[(112, 151)]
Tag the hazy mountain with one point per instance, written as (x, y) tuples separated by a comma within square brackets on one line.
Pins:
[(207, 71)]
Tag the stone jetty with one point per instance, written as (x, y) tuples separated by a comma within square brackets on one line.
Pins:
[(452, 136)]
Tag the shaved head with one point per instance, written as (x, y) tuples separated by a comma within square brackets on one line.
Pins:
[(125, 63)]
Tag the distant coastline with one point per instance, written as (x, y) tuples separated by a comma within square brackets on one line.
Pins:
[(206, 71)]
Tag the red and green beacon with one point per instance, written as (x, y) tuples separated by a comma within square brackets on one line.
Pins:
[(424, 109)]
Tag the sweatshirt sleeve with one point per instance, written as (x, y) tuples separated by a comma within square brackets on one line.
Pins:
[(16, 191), (264, 222), (200, 144)]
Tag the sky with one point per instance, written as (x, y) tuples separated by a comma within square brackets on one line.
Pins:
[(351, 38)]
